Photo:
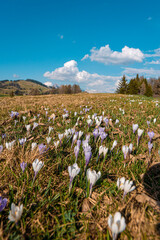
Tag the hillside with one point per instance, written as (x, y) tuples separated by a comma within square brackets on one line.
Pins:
[(22, 87)]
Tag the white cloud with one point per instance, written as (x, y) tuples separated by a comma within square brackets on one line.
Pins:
[(153, 62), (148, 72), (48, 84), (70, 73), (15, 75), (153, 53), (107, 56), (60, 36)]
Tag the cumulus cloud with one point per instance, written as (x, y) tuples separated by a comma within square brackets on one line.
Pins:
[(107, 56), (48, 84), (70, 73), (153, 53), (147, 72), (15, 75)]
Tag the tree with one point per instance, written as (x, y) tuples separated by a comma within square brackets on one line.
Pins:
[(122, 86)]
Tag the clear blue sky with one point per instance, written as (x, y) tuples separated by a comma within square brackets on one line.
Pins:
[(39, 36)]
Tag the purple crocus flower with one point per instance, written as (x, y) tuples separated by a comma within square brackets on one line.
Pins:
[(103, 135), (22, 141), (76, 152), (148, 123), (23, 166), (101, 130), (42, 148), (106, 121), (14, 114), (3, 135), (150, 145), (3, 203), (1, 148), (95, 133), (79, 143), (88, 154), (151, 135)]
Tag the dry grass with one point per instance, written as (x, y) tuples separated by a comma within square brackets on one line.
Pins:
[(49, 211)]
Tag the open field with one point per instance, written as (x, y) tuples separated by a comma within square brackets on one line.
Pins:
[(50, 211)]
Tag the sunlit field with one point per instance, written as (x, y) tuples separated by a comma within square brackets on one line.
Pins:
[(45, 196)]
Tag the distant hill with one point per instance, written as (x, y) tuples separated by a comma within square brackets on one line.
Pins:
[(23, 87)]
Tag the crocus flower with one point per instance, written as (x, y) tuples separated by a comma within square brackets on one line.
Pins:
[(150, 145), (114, 145), (48, 139), (9, 145), (3, 135), (1, 148), (88, 154), (89, 121), (117, 121), (76, 152), (42, 148), (103, 135), (28, 127), (60, 136), (56, 143), (106, 121), (140, 131), (14, 114), (15, 122), (35, 125), (33, 146), (22, 141), (79, 143), (92, 178), (116, 224), (73, 171), (74, 138), (130, 148), (125, 185), (151, 135), (125, 150), (50, 129), (3, 203), (37, 165), (24, 118), (23, 165), (135, 127), (154, 120), (148, 123), (80, 134), (15, 213), (95, 133)]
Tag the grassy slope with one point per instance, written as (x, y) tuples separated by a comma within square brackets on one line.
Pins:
[(25, 85), (49, 211)]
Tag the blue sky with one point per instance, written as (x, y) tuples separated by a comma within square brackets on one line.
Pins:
[(91, 43)]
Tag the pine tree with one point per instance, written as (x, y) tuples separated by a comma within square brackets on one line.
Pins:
[(122, 86)]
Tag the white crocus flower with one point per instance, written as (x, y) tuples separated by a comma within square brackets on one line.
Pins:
[(92, 178), (125, 151), (130, 148), (89, 121), (37, 165), (135, 127), (140, 132), (48, 140), (28, 127), (33, 146), (154, 120), (60, 136), (35, 125), (116, 224), (9, 145), (50, 129), (80, 134), (100, 150), (73, 171), (105, 150), (114, 145), (117, 121), (24, 118), (15, 213), (56, 143), (125, 185)]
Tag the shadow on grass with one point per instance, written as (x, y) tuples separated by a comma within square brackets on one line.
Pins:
[(151, 182)]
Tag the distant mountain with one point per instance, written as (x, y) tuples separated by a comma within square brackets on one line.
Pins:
[(22, 87)]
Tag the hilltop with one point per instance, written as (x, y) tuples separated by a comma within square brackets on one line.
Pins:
[(22, 87)]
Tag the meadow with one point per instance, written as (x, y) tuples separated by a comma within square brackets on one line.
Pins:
[(96, 131)]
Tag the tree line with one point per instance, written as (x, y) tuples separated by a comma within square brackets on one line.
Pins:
[(140, 86)]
